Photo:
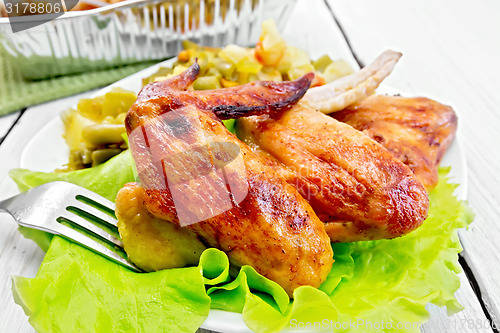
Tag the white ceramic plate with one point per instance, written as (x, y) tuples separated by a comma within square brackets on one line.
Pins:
[(47, 151)]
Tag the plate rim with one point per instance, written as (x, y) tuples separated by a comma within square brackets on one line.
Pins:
[(221, 320)]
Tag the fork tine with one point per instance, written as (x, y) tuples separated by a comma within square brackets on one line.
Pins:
[(95, 197), (95, 212), (80, 221), (43, 206), (92, 245)]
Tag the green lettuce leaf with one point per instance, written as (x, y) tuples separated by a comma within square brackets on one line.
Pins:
[(370, 282), (78, 291), (230, 123)]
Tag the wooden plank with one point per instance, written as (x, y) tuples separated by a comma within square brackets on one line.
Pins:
[(451, 53), (470, 320), (316, 32), (6, 122), (311, 27), (20, 256)]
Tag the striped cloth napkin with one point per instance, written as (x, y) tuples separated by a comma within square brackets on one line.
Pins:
[(17, 93)]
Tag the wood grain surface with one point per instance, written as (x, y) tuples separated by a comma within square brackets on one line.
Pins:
[(451, 51), (6, 123)]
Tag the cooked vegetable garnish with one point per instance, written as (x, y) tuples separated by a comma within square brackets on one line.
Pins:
[(272, 59), (94, 131), (149, 241)]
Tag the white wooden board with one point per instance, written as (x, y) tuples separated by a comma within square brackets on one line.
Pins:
[(6, 122), (451, 52), (430, 39)]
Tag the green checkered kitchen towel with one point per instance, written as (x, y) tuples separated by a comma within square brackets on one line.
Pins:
[(17, 93)]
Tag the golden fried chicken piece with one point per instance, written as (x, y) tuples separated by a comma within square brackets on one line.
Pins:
[(353, 183), (415, 130), (228, 197)]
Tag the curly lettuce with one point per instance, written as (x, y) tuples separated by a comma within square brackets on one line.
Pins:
[(386, 280)]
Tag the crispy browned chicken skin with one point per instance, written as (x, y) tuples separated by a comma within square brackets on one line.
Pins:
[(416, 130), (268, 224), (353, 183)]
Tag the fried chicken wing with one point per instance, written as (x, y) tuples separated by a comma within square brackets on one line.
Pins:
[(415, 130), (352, 182), (228, 197)]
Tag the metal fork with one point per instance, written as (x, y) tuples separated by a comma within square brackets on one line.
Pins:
[(45, 206)]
